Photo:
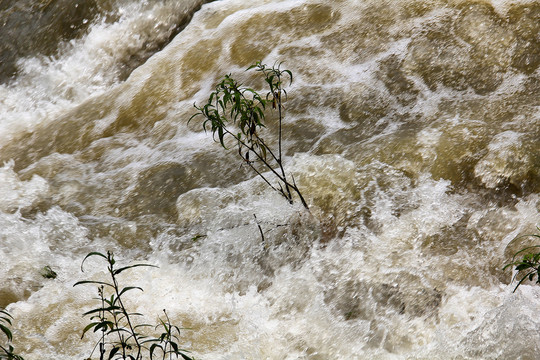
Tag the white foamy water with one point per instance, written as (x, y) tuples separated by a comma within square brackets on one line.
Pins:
[(411, 128), (47, 86)]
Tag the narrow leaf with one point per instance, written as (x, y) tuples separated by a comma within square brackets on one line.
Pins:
[(6, 331), (88, 327), (114, 350), (93, 253), (220, 133), (185, 356), (129, 288), (152, 348), (92, 282), (107, 309), (118, 271)]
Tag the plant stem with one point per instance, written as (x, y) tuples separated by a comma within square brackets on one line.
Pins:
[(260, 228), (117, 291), (279, 141)]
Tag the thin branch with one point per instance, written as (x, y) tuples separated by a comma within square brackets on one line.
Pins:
[(261, 175), (256, 154), (295, 187), (260, 229)]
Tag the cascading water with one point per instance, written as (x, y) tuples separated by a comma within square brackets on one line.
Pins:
[(411, 127)]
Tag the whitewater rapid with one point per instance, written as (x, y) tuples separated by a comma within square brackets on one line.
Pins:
[(411, 127)]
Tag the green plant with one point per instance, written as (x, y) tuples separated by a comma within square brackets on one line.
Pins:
[(120, 336), (167, 341), (233, 104), (526, 262), (6, 349)]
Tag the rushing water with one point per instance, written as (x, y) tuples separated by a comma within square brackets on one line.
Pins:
[(412, 128)]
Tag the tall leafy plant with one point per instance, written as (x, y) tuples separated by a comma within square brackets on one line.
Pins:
[(238, 112), (121, 337)]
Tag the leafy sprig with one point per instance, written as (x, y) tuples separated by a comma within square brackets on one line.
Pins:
[(120, 336), (238, 112), (526, 263)]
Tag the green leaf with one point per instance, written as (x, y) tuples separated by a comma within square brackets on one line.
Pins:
[(106, 309), (521, 281), (88, 327), (220, 133), (94, 253), (290, 75), (185, 357), (6, 331), (194, 115), (104, 326), (521, 267), (152, 348), (512, 264), (135, 314), (92, 282), (118, 271), (114, 350)]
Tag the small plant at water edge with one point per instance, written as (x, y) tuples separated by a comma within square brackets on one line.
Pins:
[(167, 342), (6, 348), (121, 337), (232, 104), (526, 263)]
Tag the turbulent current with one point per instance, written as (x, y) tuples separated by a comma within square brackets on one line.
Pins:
[(412, 127)]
